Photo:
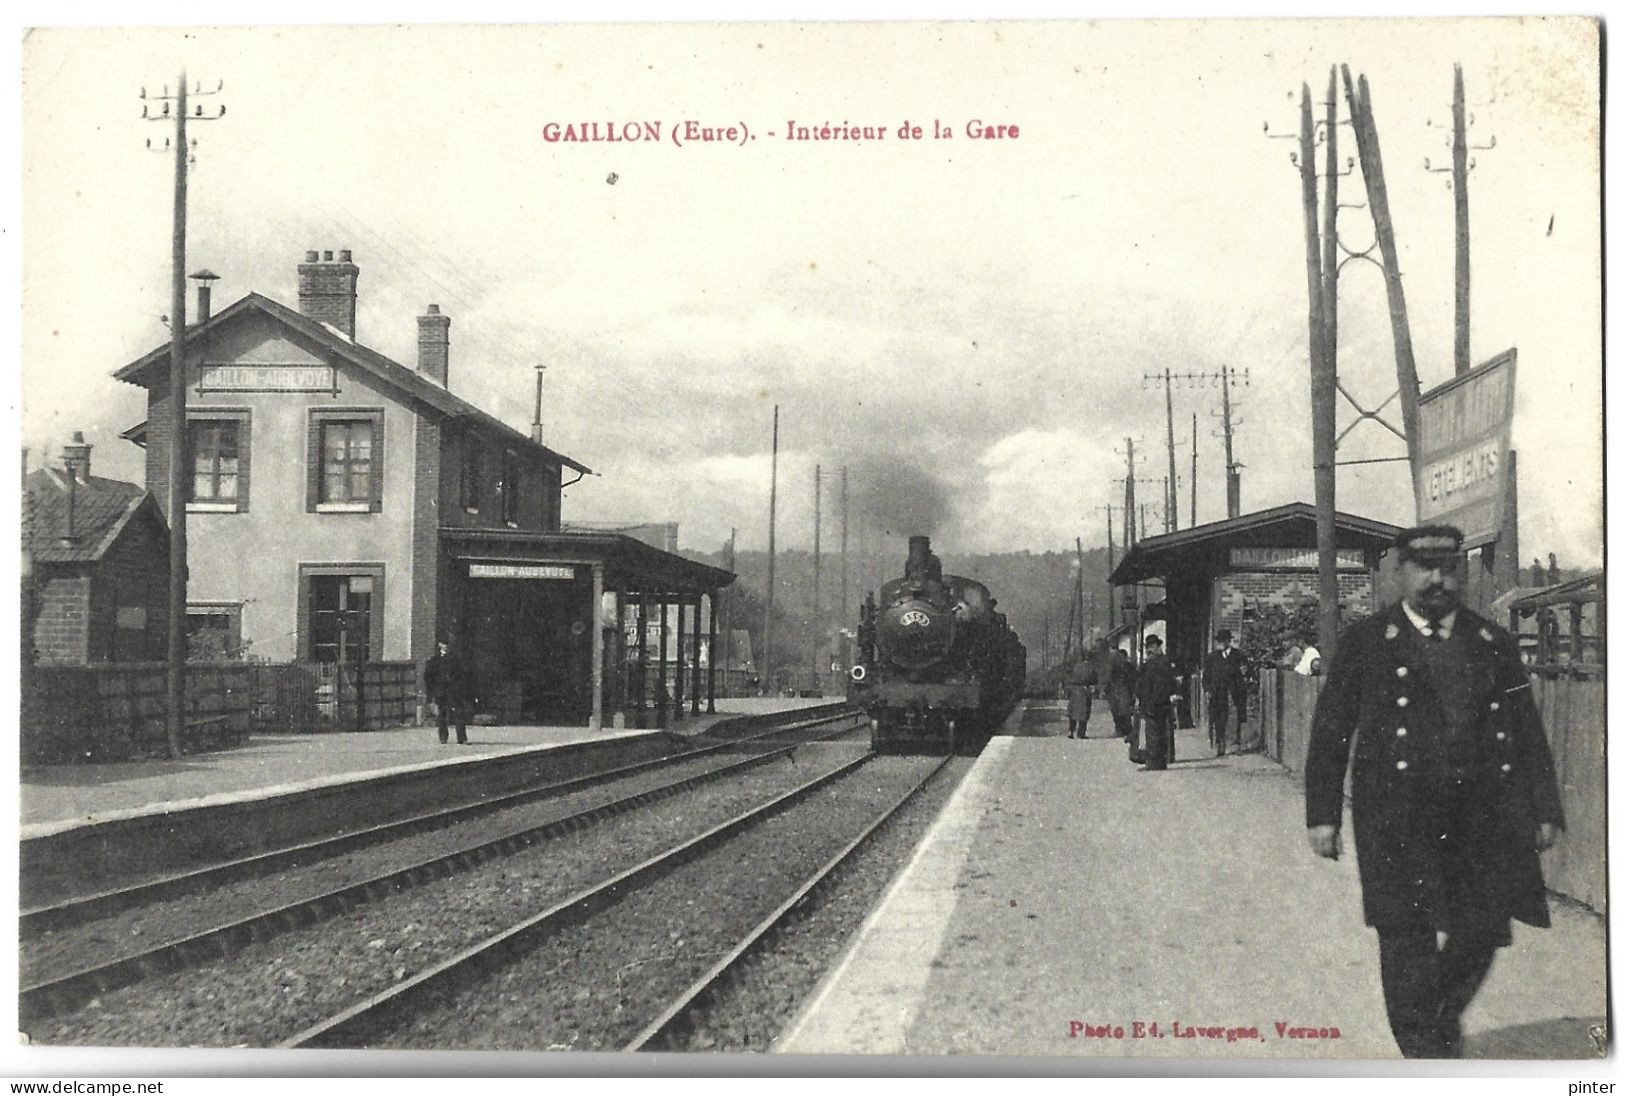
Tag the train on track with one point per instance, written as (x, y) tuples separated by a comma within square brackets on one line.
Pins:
[(938, 667)]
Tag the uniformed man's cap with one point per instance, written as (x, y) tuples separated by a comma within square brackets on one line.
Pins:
[(1222, 635), (1429, 543), (1153, 641)]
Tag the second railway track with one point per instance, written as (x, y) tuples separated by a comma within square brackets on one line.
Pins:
[(91, 955)]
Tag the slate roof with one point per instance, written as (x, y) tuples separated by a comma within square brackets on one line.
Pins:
[(101, 510), (401, 377)]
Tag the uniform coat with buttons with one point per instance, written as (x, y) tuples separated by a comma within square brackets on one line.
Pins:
[(1374, 694)]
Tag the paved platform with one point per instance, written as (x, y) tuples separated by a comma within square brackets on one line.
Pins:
[(1064, 896), (57, 796)]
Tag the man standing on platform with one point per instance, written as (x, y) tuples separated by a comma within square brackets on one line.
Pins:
[(1158, 691), (1081, 680), (1117, 681), (1224, 681), (445, 679), (1453, 787)]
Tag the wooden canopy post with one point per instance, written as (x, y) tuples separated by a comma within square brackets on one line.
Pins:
[(677, 691), (694, 703), (711, 683)]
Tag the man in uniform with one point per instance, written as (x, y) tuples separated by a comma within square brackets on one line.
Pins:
[(1225, 683), (1454, 791), (1081, 680), (1158, 689)]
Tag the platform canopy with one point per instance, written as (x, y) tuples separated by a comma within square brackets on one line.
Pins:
[(628, 563), (1204, 551)]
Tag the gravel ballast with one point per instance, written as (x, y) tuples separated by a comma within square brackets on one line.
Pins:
[(75, 947), (595, 985), (276, 987)]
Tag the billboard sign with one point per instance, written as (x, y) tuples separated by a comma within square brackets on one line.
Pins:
[(1466, 432)]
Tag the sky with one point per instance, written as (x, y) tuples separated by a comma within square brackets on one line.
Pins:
[(965, 325)]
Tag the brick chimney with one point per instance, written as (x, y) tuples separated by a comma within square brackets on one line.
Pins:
[(434, 345), (327, 289), (76, 457)]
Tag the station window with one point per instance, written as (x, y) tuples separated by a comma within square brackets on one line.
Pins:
[(345, 461), (473, 473), (341, 613), (217, 454), (511, 476)]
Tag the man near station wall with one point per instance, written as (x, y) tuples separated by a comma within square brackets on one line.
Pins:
[(1453, 786), (445, 679), (1224, 681), (1159, 691)]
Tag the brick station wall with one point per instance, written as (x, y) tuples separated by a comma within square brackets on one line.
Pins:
[(1235, 592)]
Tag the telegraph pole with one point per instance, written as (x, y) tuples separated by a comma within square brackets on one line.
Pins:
[(1170, 517), (175, 648), (772, 554), (1322, 380), (844, 606), (1111, 565), (1193, 469), (1130, 536), (1458, 169), (818, 543), (1323, 390), (1376, 188), (1232, 475)]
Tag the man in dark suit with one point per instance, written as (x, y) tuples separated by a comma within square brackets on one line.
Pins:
[(1224, 681), (1118, 677), (445, 679), (1158, 690), (1453, 786)]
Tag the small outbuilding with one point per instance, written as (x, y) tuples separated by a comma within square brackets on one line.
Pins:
[(95, 566)]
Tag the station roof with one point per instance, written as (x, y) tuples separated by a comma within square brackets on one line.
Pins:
[(1202, 549), (144, 371), (629, 563)]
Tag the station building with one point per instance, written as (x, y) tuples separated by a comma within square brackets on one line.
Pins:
[(343, 508), (1223, 573)]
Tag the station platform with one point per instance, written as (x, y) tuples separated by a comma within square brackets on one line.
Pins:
[(54, 797), (1064, 896)]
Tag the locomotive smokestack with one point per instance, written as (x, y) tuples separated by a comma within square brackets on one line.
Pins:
[(919, 550)]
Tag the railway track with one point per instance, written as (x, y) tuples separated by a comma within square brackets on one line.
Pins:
[(43, 996), (405, 1014)]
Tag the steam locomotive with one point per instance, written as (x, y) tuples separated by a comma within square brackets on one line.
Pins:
[(937, 667)]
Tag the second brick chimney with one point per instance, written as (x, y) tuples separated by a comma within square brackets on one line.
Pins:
[(434, 345), (327, 289), (76, 457)]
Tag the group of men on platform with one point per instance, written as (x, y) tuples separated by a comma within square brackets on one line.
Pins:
[(1153, 692)]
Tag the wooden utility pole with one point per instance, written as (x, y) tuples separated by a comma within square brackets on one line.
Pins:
[(818, 566), (845, 608), (1111, 565), (1232, 476), (1322, 384), (1130, 536), (772, 555), (818, 539), (1083, 642), (1170, 516), (1193, 469), (1376, 188), (1458, 175), (175, 651)]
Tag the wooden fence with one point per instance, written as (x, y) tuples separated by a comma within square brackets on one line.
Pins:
[(1574, 715), (115, 711)]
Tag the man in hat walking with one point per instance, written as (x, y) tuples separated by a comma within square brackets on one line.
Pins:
[(1224, 681), (1453, 786)]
